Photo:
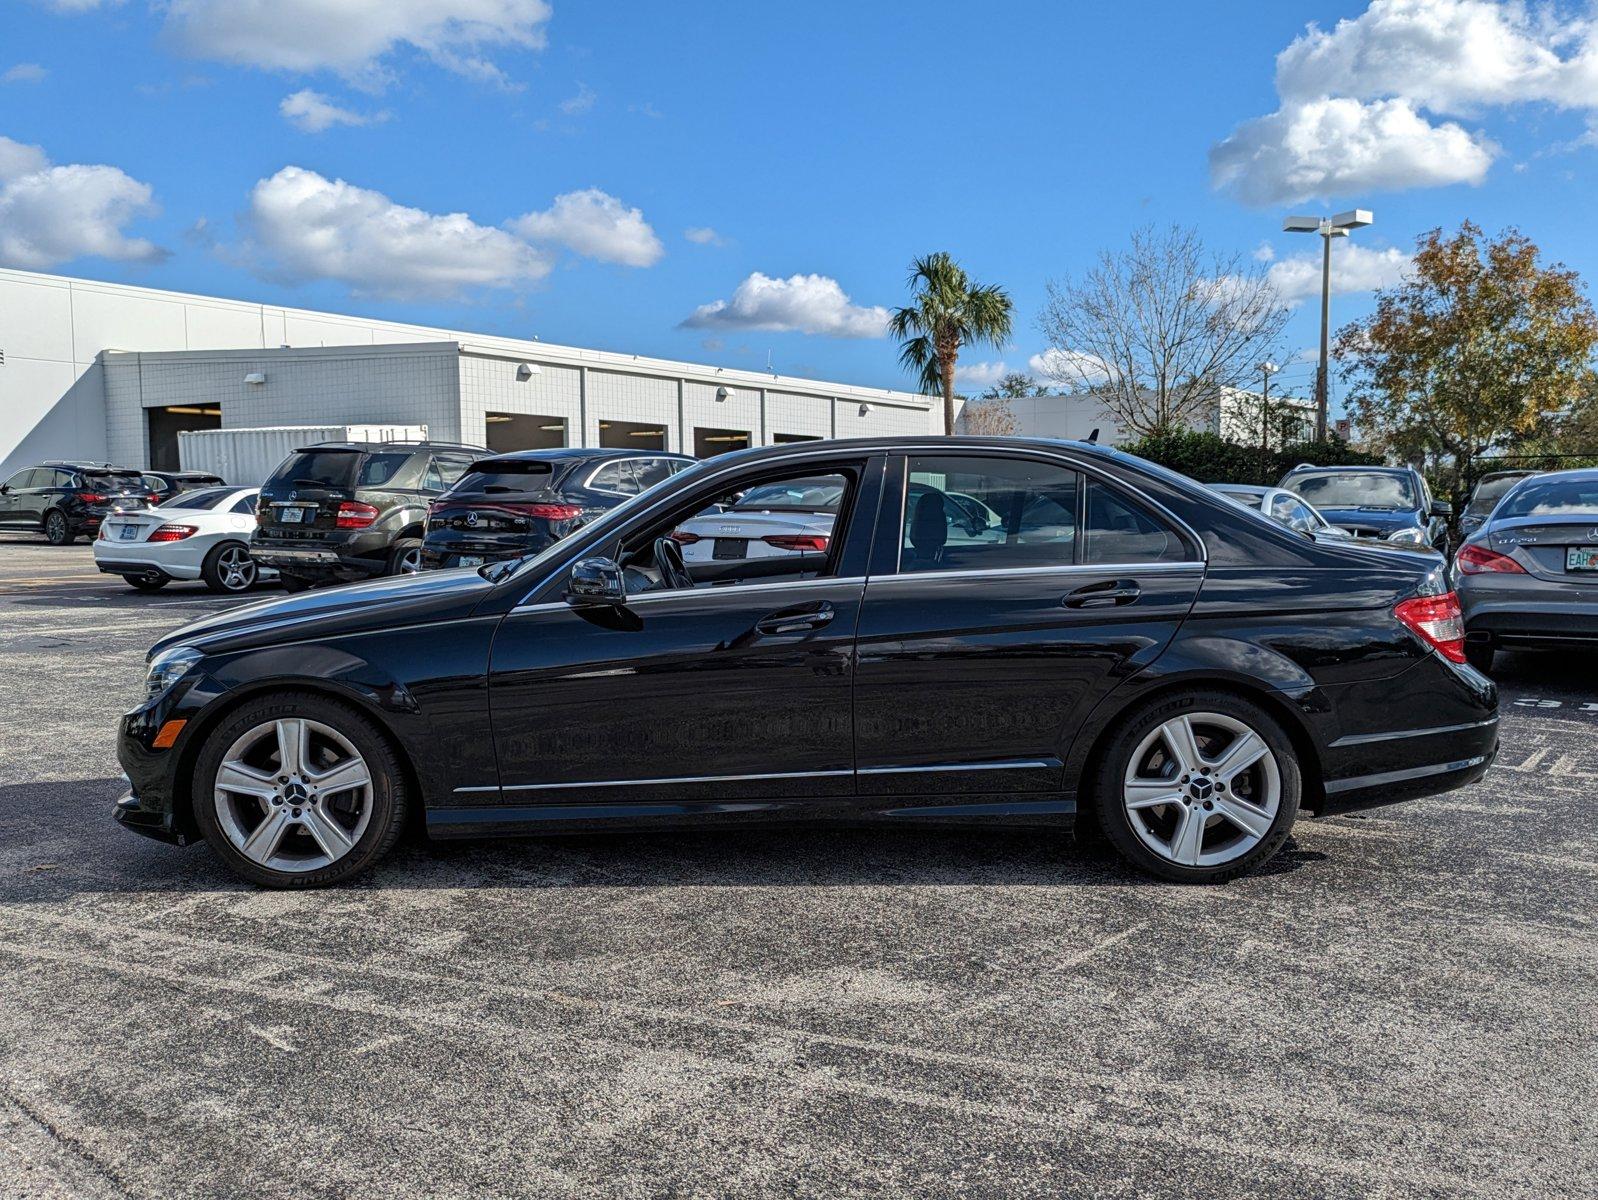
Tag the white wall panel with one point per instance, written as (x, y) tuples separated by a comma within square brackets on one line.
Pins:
[(118, 321), (36, 321)]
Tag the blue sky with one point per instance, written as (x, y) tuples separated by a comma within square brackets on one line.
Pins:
[(199, 145)]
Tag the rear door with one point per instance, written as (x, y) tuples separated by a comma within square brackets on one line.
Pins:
[(984, 643)]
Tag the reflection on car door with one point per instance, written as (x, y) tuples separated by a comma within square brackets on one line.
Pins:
[(715, 698), (978, 659), (11, 498)]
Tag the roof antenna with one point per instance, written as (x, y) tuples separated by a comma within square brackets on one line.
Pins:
[(1093, 438)]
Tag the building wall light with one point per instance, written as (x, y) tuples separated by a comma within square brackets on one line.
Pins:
[(255, 378)]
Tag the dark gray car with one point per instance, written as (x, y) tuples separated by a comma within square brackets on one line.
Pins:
[(1529, 575)]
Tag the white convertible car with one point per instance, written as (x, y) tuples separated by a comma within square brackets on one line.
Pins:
[(203, 534)]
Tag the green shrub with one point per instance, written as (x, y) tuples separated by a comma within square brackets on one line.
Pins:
[(1209, 458)]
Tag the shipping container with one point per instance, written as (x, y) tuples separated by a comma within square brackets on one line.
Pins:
[(246, 457)]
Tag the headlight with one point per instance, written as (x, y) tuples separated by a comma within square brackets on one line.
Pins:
[(167, 667), (1414, 537)]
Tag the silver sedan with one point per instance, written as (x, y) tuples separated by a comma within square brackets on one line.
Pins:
[(1529, 575)]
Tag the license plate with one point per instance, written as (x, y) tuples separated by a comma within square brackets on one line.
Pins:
[(291, 516), (127, 532), (1581, 558), (730, 548), (469, 560)]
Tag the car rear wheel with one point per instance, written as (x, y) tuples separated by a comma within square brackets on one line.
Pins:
[(56, 530), (1199, 787), (405, 558), (297, 791), (150, 581), (229, 569)]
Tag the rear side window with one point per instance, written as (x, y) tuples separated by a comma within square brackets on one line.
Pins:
[(615, 477), (980, 514), (245, 503), (385, 470), (1116, 530), (650, 471)]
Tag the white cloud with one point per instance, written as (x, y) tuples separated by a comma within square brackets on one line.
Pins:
[(798, 304), (53, 214), (27, 72), (1361, 103), (1264, 252), (1067, 368), (312, 112), (353, 37), (584, 100), (1354, 269), (596, 225), (978, 375), (704, 235), (311, 227), (1340, 147)]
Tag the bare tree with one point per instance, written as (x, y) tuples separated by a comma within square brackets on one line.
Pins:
[(1159, 332), (988, 418)]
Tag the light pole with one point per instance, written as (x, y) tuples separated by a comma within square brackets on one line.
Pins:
[(1328, 228), (1267, 369)]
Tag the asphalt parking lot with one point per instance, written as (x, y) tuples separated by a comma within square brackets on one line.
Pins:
[(1404, 1004)]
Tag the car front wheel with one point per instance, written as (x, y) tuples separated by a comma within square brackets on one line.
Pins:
[(1199, 787), (299, 791)]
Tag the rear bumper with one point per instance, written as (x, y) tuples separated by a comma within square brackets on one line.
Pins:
[(359, 557), (133, 562), (443, 549), (1415, 781)]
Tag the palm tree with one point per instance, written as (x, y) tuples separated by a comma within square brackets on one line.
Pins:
[(949, 311)]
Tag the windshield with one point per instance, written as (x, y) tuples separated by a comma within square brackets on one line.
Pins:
[(1490, 491), (1353, 489), (206, 498), (793, 495), (497, 475), (1247, 499), (1552, 498)]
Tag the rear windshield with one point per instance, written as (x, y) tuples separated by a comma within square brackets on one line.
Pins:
[(1552, 498), (1489, 492), (1353, 489), (494, 475), (113, 481), (793, 495), (204, 498), (318, 468)]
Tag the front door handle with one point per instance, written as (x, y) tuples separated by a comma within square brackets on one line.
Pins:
[(792, 620), (1108, 593)]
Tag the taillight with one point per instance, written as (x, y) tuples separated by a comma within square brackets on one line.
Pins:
[(154, 499), (797, 541), (174, 533), (549, 512), (1473, 559), (92, 497), (352, 514), (1438, 622), (101, 536), (683, 536)]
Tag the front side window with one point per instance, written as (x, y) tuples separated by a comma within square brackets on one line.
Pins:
[(977, 514), (19, 480)]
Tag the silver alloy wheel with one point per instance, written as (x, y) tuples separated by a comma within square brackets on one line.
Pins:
[(410, 563), (293, 795), (1202, 789), (236, 568)]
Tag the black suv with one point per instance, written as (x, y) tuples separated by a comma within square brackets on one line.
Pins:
[(163, 485), (519, 503), (1390, 503), (352, 510), (65, 499)]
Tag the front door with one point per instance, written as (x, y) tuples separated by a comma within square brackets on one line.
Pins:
[(731, 694), (1015, 593), (11, 498)]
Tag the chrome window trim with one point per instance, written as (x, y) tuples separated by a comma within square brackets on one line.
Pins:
[(681, 593), (632, 457), (668, 780), (1150, 568)]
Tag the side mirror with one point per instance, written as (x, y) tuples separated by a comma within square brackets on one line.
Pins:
[(5, 489), (1441, 508), (596, 581)]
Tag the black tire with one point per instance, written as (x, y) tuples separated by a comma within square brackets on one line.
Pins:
[(56, 529), (1480, 655), (1131, 731), (293, 583), (216, 573), (388, 791), (153, 582), (404, 551)]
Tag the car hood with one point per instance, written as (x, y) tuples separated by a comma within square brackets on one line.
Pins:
[(352, 608), (1386, 520)]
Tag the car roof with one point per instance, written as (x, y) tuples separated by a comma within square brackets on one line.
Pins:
[(574, 453), (1251, 489), (1307, 468), (370, 447), (1575, 474)]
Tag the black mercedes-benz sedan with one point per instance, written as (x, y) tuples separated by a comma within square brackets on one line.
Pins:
[(1110, 639)]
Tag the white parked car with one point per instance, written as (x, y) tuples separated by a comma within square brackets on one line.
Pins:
[(1283, 507), (202, 534), (771, 521)]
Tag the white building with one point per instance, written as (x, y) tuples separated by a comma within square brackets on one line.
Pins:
[(110, 372), (1075, 417)]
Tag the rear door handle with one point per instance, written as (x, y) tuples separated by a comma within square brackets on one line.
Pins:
[(792, 620), (1108, 593)]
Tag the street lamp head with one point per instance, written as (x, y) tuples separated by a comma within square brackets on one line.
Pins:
[(1269, 368), (1354, 218), (1301, 225)]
